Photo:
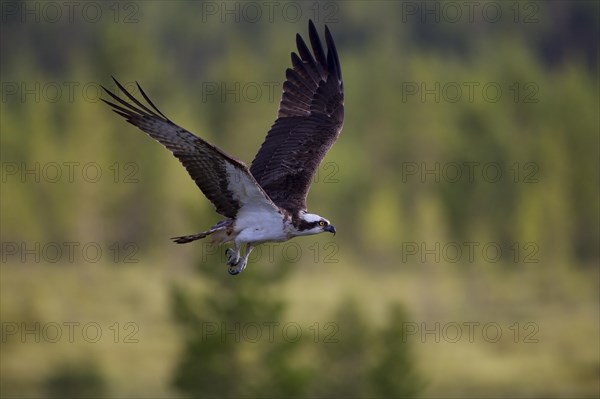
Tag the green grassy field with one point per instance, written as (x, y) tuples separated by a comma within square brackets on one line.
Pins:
[(554, 356)]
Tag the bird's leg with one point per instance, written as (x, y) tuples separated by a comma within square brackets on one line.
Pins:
[(241, 265), (233, 255)]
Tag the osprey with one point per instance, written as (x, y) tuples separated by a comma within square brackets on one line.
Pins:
[(266, 202)]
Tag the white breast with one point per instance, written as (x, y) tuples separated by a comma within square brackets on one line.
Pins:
[(258, 219), (259, 225)]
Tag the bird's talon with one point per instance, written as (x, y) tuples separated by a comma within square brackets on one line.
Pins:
[(232, 257)]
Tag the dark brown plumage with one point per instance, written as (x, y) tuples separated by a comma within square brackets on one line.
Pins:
[(309, 121), (205, 163)]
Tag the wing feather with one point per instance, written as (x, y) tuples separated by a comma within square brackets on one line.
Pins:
[(216, 173), (309, 120)]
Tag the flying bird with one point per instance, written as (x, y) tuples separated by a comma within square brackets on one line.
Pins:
[(266, 202)]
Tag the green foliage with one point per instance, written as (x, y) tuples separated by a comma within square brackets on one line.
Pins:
[(230, 349), (343, 364), (394, 374), (363, 361), (74, 381), (344, 357)]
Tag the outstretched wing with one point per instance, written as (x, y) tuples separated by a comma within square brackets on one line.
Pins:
[(309, 121), (225, 181)]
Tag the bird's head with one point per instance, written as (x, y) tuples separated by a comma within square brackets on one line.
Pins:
[(314, 224)]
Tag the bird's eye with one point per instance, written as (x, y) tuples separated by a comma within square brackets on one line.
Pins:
[(322, 223)]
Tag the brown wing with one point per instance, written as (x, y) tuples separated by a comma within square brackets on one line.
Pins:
[(309, 121), (225, 181)]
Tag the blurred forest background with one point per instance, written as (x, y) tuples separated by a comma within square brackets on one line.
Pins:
[(464, 188)]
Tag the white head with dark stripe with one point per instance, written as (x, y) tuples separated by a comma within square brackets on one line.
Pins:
[(309, 223)]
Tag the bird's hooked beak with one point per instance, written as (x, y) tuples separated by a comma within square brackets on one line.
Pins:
[(330, 229)]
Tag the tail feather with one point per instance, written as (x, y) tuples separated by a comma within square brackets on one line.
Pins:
[(191, 237), (224, 226)]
